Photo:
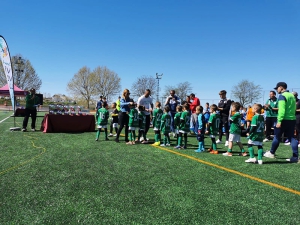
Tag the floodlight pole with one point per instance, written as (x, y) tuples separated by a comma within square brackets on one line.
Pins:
[(158, 77)]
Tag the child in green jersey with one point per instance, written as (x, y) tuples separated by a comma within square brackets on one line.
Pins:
[(165, 126), (156, 120), (213, 128), (102, 116), (177, 122), (142, 124), (256, 135), (133, 123), (184, 127), (235, 130)]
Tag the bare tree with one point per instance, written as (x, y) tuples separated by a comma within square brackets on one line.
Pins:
[(246, 92), (142, 83), (181, 89), (83, 85), (25, 76), (107, 82)]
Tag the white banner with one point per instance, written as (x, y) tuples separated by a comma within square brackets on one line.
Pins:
[(5, 58)]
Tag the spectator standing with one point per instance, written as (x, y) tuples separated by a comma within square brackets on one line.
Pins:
[(172, 101), (271, 108), (99, 103), (32, 101), (146, 101), (297, 117), (286, 121), (123, 114), (224, 107), (194, 102)]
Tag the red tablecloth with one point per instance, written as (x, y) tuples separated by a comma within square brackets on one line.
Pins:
[(68, 123)]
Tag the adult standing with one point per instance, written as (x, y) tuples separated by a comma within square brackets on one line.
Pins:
[(194, 102), (123, 114), (271, 108), (99, 103), (32, 101), (172, 101), (146, 101), (297, 116), (286, 121), (224, 108), (118, 102)]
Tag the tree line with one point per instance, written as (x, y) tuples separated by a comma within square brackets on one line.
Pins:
[(87, 84)]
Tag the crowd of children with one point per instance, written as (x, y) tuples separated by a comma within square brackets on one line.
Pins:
[(207, 122)]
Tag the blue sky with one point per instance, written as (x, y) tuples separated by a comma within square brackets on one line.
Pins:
[(212, 44)]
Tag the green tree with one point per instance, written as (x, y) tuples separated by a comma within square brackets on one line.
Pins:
[(246, 92), (25, 76)]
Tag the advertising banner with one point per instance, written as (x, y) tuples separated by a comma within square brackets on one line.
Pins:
[(5, 59)]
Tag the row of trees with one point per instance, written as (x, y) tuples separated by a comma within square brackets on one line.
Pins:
[(88, 84)]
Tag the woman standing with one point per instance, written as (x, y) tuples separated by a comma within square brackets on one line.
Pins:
[(123, 114)]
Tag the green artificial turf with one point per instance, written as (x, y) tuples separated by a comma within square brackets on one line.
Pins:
[(62, 178)]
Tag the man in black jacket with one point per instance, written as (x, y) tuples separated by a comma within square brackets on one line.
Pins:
[(224, 107)]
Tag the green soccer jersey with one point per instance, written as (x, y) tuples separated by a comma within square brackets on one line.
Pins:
[(165, 126), (102, 116), (185, 121), (273, 104), (235, 123), (133, 118), (214, 122), (156, 119), (177, 120), (142, 120), (258, 133), (31, 101)]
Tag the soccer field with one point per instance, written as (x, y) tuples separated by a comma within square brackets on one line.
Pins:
[(63, 178)]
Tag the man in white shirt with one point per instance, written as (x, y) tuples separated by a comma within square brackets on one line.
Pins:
[(146, 101)]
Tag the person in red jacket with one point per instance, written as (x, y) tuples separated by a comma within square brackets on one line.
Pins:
[(194, 102)]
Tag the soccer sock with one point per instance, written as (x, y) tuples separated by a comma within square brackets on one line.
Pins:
[(243, 150), (200, 146), (214, 146), (185, 139), (165, 139), (229, 150), (116, 129), (260, 154), (98, 134), (105, 132), (168, 139), (130, 136), (179, 141), (251, 152), (156, 137), (134, 136)]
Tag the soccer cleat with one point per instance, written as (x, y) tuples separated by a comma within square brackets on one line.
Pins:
[(227, 154), (226, 143), (214, 152), (299, 145), (292, 160), (178, 147), (218, 141), (144, 142), (268, 154), (156, 143), (184, 147), (141, 139), (110, 135), (163, 145), (115, 135), (168, 144), (209, 149), (96, 139), (33, 129), (266, 140), (243, 154), (251, 160), (117, 140), (260, 162), (24, 130), (287, 143)]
